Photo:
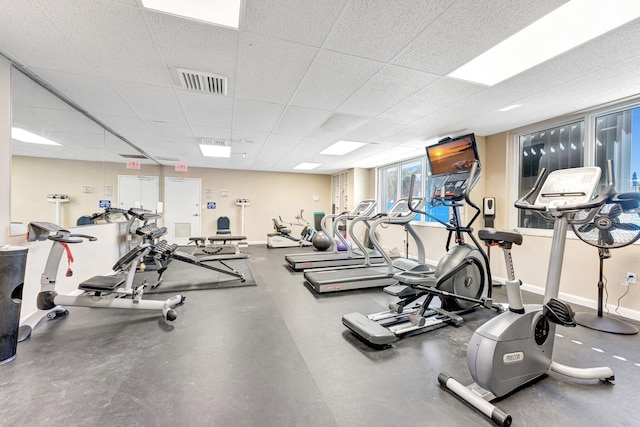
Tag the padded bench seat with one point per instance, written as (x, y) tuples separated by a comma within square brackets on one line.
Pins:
[(226, 238), (103, 283)]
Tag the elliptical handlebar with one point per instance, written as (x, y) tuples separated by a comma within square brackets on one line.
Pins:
[(473, 177)]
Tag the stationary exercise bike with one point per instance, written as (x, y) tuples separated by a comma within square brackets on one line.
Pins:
[(111, 291), (516, 347)]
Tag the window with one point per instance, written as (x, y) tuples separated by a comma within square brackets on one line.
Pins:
[(556, 148), (610, 136), (395, 182), (388, 187), (614, 140)]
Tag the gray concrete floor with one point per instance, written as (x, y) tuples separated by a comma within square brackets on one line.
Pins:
[(278, 355)]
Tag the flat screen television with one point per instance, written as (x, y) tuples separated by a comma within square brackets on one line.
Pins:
[(452, 156)]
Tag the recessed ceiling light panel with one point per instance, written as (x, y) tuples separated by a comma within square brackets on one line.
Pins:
[(20, 134), (341, 148), (307, 166), (219, 12), (214, 148), (572, 24)]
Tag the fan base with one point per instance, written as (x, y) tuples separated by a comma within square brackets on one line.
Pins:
[(605, 324)]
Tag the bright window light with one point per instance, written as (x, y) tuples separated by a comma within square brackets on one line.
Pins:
[(215, 150), (307, 166), (25, 136), (219, 12), (570, 25), (341, 148)]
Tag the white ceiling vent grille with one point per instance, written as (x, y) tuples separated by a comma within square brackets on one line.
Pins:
[(199, 81), (213, 142)]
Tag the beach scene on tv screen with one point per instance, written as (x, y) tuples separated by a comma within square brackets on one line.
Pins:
[(452, 157)]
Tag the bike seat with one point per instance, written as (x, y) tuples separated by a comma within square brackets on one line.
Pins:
[(493, 235)]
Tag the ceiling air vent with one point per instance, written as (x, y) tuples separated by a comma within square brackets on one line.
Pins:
[(214, 142), (199, 81)]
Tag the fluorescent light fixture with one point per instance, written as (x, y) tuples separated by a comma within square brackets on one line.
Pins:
[(215, 150), (219, 12), (25, 136), (570, 25), (307, 166), (510, 107), (341, 148)]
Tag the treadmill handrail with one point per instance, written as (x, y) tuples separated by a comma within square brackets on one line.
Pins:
[(403, 220)]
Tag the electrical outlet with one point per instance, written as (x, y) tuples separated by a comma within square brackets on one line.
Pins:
[(631, 278), (86, 189)]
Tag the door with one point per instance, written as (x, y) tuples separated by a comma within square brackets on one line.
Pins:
[(138, 192), (182, 209)]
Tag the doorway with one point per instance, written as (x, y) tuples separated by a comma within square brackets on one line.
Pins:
[(182, 208)]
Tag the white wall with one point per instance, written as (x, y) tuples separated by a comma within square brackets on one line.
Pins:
[(5, 149), (90, 259)]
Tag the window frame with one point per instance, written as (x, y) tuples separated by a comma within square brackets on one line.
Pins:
[(588, 116), (420, 220)]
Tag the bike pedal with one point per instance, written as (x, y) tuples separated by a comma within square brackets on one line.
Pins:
[(559, 312)]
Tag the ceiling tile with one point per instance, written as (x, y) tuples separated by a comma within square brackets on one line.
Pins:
[(125, 50), (358, 31), (29, 36), (300, 21), (152, 102), (438, 95), (332, 78), (102, 99), (388, 87), (204, 109), (300, 121), (269, 69), (256, 116)]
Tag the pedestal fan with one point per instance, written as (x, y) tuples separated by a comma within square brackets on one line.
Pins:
[(616, 225)]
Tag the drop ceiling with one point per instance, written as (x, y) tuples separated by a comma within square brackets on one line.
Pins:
[(303, 74)]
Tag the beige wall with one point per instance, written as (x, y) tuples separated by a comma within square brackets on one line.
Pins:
[(33, 178), (271, 195)]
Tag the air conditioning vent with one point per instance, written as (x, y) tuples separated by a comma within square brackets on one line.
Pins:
[(199, 81), (213, 142)]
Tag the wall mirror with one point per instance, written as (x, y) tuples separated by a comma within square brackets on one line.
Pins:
[(64, 164)]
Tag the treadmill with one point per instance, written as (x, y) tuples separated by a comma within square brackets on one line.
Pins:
[(368, 275), (303, 261)]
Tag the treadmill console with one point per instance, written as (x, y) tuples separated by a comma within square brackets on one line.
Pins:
[(401, 209), (364, 208)]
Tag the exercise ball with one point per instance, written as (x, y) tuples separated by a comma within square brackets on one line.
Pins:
[(321, 241), (342, 247)]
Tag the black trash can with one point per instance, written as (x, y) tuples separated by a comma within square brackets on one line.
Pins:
[(13, 260)]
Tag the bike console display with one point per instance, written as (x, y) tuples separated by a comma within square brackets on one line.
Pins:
[(451, 161)]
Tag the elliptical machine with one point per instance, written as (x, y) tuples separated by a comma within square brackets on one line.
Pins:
[(516, 347), (462, 278)]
